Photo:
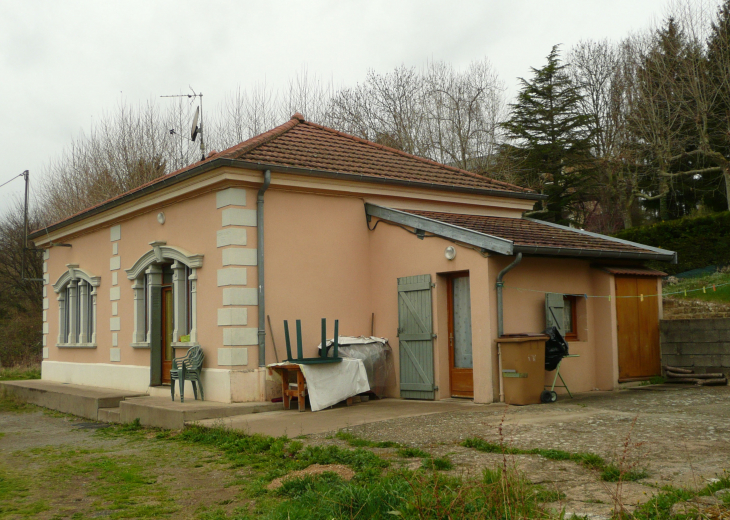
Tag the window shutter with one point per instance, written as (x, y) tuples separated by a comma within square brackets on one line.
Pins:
[(554, 312)]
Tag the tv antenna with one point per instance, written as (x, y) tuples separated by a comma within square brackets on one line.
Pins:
[(197, 129)]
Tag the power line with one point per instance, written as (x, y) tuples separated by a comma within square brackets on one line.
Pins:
[(12, 179)]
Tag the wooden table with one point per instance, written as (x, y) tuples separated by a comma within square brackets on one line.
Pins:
[(300, 392)]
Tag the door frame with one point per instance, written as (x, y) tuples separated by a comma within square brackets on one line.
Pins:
[(468, 372)]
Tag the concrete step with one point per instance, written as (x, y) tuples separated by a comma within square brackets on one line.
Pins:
[(161, 391), (84, 401), (163, 412), (109, 415)]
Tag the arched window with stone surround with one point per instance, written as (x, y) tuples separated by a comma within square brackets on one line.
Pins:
[(165, 266), (77, 291)]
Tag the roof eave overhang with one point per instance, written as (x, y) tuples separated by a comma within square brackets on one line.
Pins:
[(653, 253), (594, 253), (442, 229), (235, 163), (503, 246)]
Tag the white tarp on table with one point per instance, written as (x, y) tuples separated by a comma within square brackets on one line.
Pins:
[(330, 383)]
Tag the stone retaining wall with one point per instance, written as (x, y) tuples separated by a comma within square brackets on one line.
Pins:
[(702, 345)]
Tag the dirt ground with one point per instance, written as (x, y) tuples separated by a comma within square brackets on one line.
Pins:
[(55, 466), (680, 435)]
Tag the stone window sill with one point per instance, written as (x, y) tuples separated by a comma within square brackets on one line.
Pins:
[(76, 345), (142, 344), (185, 344)]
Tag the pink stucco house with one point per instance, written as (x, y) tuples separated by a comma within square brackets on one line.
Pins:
[(304, 222)]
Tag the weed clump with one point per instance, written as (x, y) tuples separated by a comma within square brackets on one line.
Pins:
[(358, 442), (412, 453), (608, 472), (437, 464)]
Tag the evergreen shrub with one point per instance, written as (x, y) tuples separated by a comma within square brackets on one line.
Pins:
[(698, 241)]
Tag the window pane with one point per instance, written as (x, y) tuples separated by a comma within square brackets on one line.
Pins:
[(89, 315), (66, 316), (78, 314), (462, 323), (569, 301)]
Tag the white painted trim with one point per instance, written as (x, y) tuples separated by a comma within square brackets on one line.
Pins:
[(193, 261), (220, 385), (73, 272), (372, 192)]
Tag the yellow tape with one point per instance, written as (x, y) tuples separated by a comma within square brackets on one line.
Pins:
[(642, 297)]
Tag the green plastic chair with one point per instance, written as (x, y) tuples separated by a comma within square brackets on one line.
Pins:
[(188, 368), (322, 358)]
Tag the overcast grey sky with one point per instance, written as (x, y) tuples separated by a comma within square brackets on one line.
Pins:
[(64, 63)]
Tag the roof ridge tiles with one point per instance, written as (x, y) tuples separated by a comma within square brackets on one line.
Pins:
[(259, 140), (431, 162)]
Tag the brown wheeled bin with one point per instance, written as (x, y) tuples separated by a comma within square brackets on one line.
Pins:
[(522, 360)]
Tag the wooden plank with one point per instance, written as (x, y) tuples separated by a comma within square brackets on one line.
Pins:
[(650, 351), (415, 336), (627, 320)]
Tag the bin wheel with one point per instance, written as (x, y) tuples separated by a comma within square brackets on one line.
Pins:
[(548, 397)]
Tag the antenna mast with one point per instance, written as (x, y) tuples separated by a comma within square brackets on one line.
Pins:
[(26, 176), (196, 129)]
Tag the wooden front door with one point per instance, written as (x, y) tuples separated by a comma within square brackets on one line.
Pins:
[(639, 356), (167, 328), (461, 370)]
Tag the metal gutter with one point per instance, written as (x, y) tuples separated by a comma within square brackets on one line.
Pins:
[(235, 163), (260, 266), (661, 254), (594, 253), (460, 234), (500, 285)]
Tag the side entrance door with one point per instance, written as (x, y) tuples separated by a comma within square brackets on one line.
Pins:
[(460, 358), (415, 337), (638, 327)]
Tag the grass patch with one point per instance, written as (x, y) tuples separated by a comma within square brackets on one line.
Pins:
[(608, 472), (358, 442), (11, 404), (437, 464), (411, 453), (694, 286), (14, 492), (410, 494), (20, 373)]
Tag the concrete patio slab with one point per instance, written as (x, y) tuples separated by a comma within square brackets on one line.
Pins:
[(294, 423), (83, 401), (162, 412)]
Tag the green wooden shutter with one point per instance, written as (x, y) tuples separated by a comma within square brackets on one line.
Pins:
[(415, 337), (554, 312), (155, 293)]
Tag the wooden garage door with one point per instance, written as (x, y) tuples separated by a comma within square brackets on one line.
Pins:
[(638, 327)]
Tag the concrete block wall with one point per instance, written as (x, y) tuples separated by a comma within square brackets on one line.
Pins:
[(702, 345)]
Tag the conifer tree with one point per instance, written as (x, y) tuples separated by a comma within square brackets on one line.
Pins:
[(553, 134)]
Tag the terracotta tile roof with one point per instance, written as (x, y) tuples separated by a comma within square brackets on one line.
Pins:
[(529, 233), (301, 144), (305, 145)]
